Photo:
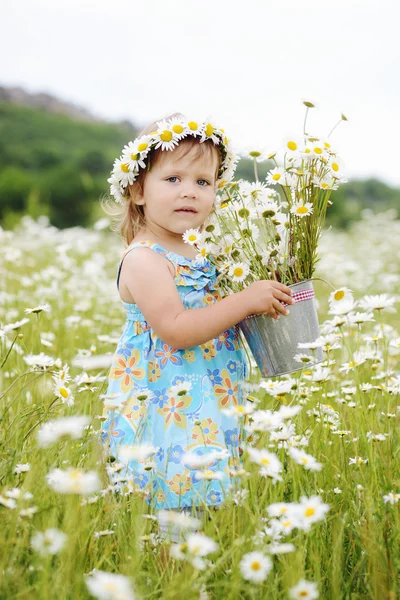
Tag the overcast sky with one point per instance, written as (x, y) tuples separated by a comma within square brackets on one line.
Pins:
[(249, 64)]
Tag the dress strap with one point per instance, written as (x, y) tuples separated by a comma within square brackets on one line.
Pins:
[(143, 244)]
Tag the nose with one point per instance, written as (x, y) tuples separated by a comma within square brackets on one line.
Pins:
[(189, 191)]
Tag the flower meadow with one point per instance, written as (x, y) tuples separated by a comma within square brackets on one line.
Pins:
[(314, 509)]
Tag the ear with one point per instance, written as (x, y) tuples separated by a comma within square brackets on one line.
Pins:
[(136, 195)]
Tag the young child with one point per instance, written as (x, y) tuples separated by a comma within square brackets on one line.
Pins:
[(179, 361)]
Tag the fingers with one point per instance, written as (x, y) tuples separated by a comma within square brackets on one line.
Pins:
[(283, 297), (279, 308), (282, 288)]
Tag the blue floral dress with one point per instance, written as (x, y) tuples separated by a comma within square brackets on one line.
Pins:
[(172, 399)]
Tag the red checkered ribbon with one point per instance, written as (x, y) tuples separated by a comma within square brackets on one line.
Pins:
[(300, 296)]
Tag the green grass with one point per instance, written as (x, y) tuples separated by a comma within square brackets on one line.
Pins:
[(351, 553)]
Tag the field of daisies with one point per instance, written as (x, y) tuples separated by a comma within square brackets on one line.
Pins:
[(315, 503)]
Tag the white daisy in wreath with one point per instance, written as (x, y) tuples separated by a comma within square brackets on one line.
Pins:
[(209, 133)]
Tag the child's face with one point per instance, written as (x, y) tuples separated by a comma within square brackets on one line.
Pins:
[(174, 182)]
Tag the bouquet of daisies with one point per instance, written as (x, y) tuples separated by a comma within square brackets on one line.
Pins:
[(270, 229)]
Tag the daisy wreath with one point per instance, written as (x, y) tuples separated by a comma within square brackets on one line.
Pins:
[(168, 135)]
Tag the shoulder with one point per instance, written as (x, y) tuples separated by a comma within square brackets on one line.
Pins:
[(143, 258)]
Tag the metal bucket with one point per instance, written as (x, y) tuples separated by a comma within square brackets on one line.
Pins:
[(273, 342)]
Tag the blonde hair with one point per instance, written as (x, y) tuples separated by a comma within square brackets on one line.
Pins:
[(128, 219)]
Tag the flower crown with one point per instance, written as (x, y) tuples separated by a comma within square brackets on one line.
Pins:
[(168, 135)]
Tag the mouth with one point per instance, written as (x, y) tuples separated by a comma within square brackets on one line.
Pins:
[(187, 210)]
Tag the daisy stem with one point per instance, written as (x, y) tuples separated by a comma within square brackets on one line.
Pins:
[(255, 170)]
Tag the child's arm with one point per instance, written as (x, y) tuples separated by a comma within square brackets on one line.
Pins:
[(152, 286)]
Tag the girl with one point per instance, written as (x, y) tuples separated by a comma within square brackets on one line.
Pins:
[(179, 366)]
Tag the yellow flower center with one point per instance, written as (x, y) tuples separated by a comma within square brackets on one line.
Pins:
[(265, 461), (125, 167), (224, 205), (192, 237), (255, 566), (142, 147), (64, 392), (276, 176), (292, 145), (238, 271), (134, 156), (327, 145), (303, 594), (318, 150), (335, 167), (310, 512), (177, 128), (193, 125), (339, 295), (254, 153), (209, 130), (302, 210), (166, 135)]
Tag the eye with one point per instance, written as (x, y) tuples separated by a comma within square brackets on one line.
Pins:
[(205, 181), (173, 177)]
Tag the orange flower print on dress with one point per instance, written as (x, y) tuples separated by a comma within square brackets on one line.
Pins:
[(180, 483), (208, 350), (154, 371), (171, 411), (168, 355), (226, 391), (127, 370), (206, 432)]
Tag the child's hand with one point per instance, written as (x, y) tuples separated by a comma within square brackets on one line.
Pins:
[(265, 297)]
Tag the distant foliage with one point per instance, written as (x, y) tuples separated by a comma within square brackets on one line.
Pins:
[(60, 163), (53, 165)]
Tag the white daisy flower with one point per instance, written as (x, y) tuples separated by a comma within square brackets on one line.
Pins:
[(378, 302), (318, 149), (39, 360), (180, 389), (310, 510), (239, 271), (73, 481), (50, 541), (209, 475), (182, 520), (137, 452), (165, 138), (277, 175), (22, 468), (38, 309), (336, 168), (325, 183), (210, 132), (122, 173), (192, 236), (302, 210), (51, 431), (255, 566), (109, 586), (304, 590), (204, 252), (199, 544), (291, 146), (133, 156), (341, 301), (64, 393), (195, 128), (304, 459), (255, 153)]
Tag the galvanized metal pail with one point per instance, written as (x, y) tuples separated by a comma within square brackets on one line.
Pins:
[(273, 342)]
